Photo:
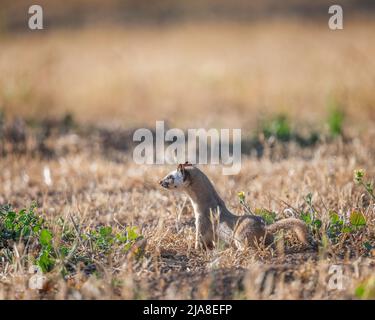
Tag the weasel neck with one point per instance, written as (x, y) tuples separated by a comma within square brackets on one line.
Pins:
[(205, 199)]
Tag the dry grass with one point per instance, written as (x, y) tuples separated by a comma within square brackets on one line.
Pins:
[(226, 75), (97, 189)]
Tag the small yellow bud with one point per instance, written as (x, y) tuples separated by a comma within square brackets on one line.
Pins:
[(241, 195)]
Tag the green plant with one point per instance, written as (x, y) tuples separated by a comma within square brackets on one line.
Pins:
[(338, 226), (32, 229), (104, 238), (28, 227), (335, 120), (309, 217), (335, 226), (359, 175), (357, 219), (46, 258), (366, 289), (22, 225), (268, 216), (277, 127), (242, 199)]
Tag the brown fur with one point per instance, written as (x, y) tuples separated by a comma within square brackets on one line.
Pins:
[(213, 219)]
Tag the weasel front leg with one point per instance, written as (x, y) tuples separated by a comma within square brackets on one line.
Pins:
[(203, 234), (197, 242)]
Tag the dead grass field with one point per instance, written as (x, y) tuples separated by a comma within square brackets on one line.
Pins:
[(223, 75), (95, 188), (227, 75)]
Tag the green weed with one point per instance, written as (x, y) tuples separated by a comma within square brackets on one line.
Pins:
[(278, 127), (335, 119), (359, 176), (268, 216), (61, 246)]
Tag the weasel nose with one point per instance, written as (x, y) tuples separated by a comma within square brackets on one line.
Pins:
[(163, 183)]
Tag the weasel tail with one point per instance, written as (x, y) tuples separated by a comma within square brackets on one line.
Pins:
[(242, 231)]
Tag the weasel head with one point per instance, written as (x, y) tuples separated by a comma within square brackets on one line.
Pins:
[(178, 178)]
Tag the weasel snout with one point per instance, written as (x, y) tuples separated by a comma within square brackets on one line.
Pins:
[(164, 183), (173, 180)]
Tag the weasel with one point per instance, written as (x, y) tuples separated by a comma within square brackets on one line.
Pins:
[(214, 221)]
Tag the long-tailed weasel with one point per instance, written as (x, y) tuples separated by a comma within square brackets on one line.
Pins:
[(213, 220)]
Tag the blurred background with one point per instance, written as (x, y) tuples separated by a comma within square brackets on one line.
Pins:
[(72, 94), (192, 63)]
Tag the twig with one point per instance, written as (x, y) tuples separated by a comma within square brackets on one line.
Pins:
[(76, 228)]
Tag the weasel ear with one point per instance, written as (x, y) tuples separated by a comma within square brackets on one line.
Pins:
[(185, 175), (184, 172)]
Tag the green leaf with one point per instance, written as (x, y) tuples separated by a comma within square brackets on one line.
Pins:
[(318, 223), (64, 251), (335, 119), (127, 246), (132, 233), (121, 238), (360, 291), (45, 238), (105, 231), (359, 175), (334, 217), (10, 219), (268, 216), (306, 217), (347, 229), (357, 219), (26, 230), (45, 261)]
